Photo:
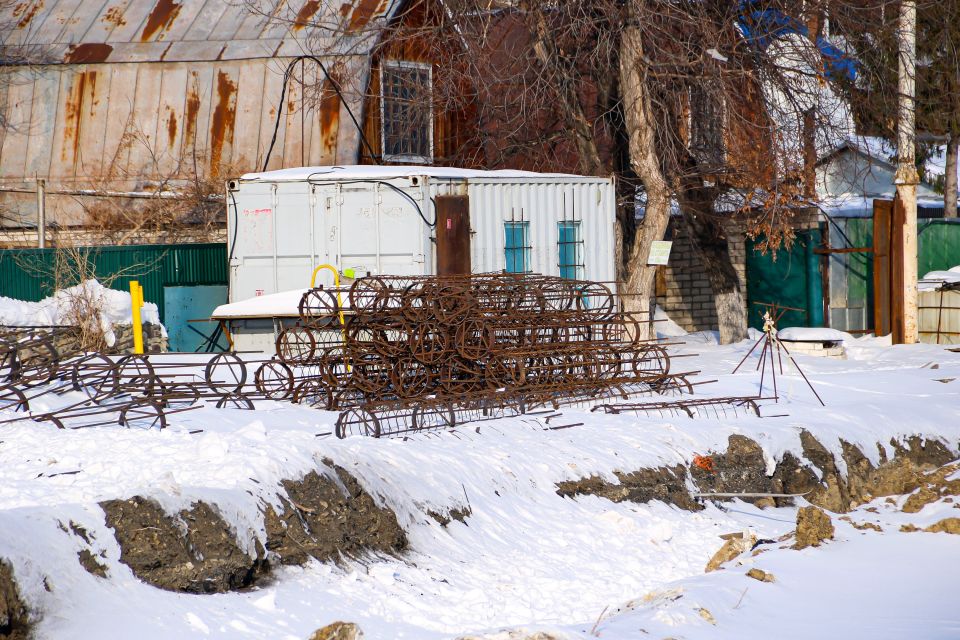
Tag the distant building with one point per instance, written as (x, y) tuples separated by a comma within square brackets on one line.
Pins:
[(134, 103)]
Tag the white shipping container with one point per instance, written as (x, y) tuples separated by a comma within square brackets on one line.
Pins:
[(283, 224)]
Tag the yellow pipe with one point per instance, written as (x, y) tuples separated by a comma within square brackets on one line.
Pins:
[(336, 283), (136, 301)]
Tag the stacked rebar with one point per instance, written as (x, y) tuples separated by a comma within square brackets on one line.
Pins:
[(399, 353)]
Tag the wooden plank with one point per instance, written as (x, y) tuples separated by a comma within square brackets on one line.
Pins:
[(123, 86), (896, 270), (249, 99), (169, 134), (882, 217)]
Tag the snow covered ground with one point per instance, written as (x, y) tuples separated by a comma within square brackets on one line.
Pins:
[(525, 558)]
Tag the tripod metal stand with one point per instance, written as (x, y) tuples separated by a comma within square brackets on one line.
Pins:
[(771, 344)]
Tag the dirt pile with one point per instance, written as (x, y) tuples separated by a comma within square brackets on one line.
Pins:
[(194, 552), (667, 484), (815, 475), (813, 527), (325, 516), (735, 545), (338, 631), (14, 617)]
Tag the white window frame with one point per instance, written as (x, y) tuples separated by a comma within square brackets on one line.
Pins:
[(389, 157)]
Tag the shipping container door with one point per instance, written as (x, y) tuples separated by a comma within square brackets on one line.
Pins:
[(294, 237), (250, 237), (381, 230)]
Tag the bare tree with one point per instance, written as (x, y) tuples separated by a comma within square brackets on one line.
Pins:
[(869, 30), (709, 105)]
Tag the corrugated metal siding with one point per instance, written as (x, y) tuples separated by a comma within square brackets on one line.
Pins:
[(543, 203), (284, 234), (154, 266), (938, 243)]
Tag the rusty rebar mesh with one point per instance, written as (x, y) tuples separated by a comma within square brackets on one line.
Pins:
[(393, 354), (406, 353), (131, 390)]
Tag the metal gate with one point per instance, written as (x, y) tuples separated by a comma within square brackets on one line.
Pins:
[(790, 278)]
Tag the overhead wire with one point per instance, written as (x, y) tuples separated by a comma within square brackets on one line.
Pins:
[(336, 88)]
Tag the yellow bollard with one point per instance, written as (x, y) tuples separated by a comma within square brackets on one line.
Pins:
[(136, 301)]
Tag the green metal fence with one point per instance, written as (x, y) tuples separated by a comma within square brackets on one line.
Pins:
[(850, 275), (29, 274), (789, 278)]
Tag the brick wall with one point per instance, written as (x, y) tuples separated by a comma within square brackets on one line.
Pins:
[(684, 291)]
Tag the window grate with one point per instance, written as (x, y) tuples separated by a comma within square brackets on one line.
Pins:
[(570, 250), (406, 111), (516, 247)]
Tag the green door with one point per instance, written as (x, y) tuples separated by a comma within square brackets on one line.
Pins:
[(791, 278)]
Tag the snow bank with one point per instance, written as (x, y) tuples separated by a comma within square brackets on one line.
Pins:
[(812, 334), (665, 326), (62, 309), (274, 305), (935, 279), (524, 556)]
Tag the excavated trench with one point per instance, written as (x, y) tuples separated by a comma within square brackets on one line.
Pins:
[(328, 515), (323, 516), (15, 622), (742, 469)]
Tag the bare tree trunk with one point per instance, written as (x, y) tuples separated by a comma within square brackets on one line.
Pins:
[(574, 116), (710, 241), (950, 179), (638, 115)]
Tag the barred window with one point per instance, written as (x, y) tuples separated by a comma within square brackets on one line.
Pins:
[(569, 250), (516, 247), (406, 110)]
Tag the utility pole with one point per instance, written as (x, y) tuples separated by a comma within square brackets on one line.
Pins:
[(41, 213), (906, 177)]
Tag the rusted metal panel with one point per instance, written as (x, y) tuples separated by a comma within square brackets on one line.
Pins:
[(94, 133), (160, 19), (43, 120), (197, 113), (453, 235), (25, 12), (364, 11), (88, 52), (19, 103), (224, 119), (123, 83), (249, 105), (231, 26), (97, 23), (169, 135), (207, 22), (292, 149)]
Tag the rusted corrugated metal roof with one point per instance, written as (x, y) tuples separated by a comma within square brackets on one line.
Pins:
[(92, 31)]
